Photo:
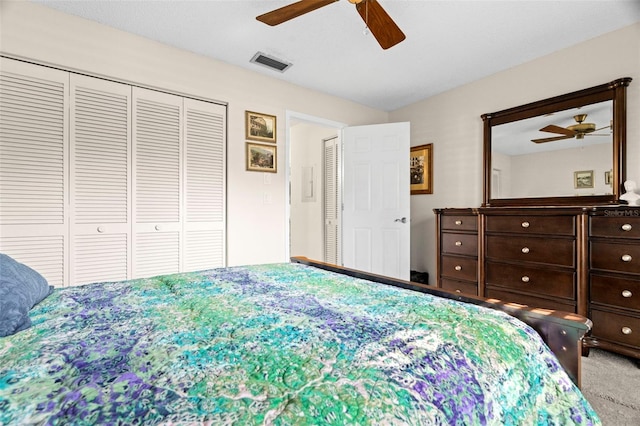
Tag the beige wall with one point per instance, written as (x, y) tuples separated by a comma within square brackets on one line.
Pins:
[(256, 231), (451, 121)]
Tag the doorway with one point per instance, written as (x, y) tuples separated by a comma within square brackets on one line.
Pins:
[(313, 231), (374, 181)]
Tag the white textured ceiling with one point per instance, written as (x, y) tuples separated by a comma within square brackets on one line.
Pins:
[(449, 43)]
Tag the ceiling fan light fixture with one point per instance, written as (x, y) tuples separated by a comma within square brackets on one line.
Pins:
[(270, 62), (355, 1)]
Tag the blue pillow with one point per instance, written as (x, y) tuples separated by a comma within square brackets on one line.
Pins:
[(21, 288)]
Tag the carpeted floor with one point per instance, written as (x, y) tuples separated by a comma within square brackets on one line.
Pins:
[(611, 384)]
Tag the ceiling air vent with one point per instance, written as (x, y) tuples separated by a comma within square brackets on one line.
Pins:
[(271, 62)]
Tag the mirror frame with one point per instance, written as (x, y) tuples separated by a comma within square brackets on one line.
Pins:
[(614, 91)]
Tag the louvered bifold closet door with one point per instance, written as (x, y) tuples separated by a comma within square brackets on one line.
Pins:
[(100, 144), (331, 201), (157, 183), (204, 171), (33, 167)]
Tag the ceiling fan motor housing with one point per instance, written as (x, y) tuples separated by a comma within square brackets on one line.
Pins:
[(583, 127)]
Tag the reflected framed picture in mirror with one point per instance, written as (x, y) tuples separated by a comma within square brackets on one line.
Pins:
[(583, 179)]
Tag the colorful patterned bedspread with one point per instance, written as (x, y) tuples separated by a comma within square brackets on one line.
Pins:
[(282, 344)]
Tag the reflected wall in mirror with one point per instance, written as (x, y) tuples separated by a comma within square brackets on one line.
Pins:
[(561, 144), (532, 151)]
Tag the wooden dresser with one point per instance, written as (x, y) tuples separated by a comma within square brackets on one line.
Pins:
[(614, 279), (584, 260), (531, 256), (458, 247)]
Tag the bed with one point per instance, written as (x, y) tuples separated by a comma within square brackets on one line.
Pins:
[(286, 344)]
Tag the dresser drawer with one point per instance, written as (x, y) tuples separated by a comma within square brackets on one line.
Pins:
[(460, 267), (616, 227), (615, 257), (553, 225), (614, 291), (551, 251), (466, 244), (531, 301), (459, 223), (533, 280), (460, 287), (615, 327)]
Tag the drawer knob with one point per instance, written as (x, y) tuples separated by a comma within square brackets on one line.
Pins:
[(525, 279), (458, 243), (458, 291), (626, 258), (627, 227), (458, 222), (157, 227), (525, 250), (458, 268), (626, 330), (100, 229), (627, 293), (525, 224)]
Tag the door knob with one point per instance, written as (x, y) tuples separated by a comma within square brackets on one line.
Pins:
[(403, 220)]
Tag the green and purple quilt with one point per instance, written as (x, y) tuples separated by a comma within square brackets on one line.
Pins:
[(282, 344)]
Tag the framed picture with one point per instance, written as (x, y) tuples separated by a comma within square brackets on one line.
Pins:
[(583, 179), (421, 164), (260, 127), (262, 158), (607, 177)]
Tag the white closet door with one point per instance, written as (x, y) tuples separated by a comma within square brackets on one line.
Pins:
[(332, 201), (100, 146), (204, 177), (157, 183), (33, 167)]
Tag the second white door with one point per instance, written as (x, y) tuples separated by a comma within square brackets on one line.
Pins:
[(376, 197)]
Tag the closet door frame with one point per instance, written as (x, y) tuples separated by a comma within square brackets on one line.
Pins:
[(56, 257)]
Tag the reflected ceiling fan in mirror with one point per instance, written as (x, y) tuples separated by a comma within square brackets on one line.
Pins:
[(578, 131), (376, 19)]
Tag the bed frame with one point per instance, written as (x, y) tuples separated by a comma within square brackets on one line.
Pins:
[(561, 331)]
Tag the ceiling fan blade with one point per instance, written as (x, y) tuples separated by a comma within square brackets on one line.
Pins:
[(552, 128), (383, 28), (557, 138), (285, 13)]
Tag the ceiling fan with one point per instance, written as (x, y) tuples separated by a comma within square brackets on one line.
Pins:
[(578, 131), (386, 32)]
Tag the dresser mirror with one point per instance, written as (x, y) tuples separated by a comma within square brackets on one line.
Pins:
[(566, 150)]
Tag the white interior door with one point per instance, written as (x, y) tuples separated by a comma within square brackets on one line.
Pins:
[(100, 179), (157, 182), (376, 191), (34, 167), (204, 185)]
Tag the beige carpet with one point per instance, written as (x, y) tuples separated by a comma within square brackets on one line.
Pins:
[(611, 384)]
